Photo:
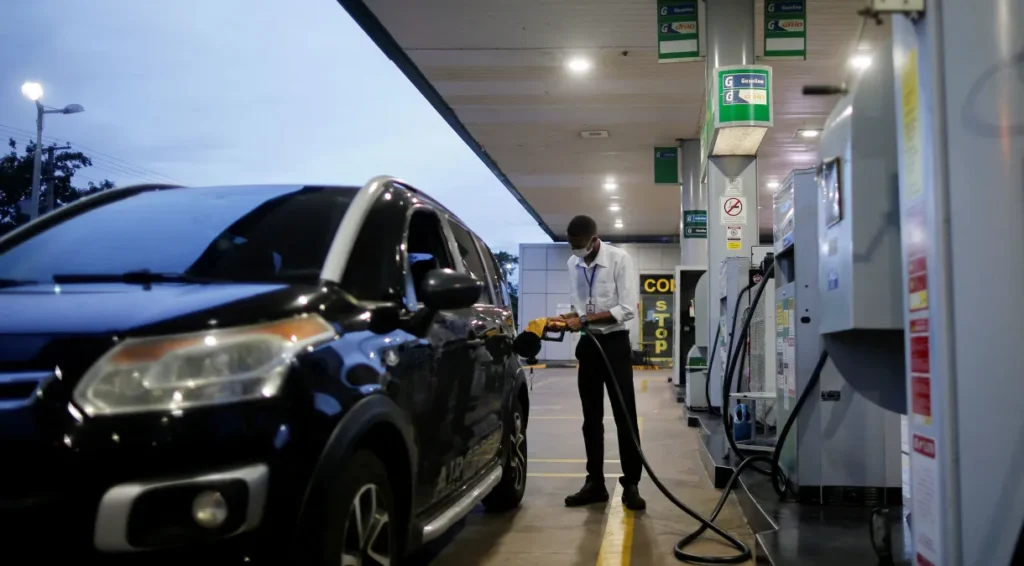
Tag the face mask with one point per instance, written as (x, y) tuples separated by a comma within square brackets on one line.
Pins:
[(583, 252)]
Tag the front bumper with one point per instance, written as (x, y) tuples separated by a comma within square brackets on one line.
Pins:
[(123, 488), (176, 512)]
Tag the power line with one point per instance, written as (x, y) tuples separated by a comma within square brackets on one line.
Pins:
[(101, 160), (119, 167), (102, 164)]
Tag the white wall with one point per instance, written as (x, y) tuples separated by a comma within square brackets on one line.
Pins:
[(544, 284)]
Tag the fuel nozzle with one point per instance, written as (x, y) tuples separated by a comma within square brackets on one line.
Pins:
[(527, 343), (766, 264)]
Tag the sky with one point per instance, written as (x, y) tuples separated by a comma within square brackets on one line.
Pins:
[(207, 92)]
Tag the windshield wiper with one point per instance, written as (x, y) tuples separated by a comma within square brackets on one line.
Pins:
[(15, 282), (141, 277)]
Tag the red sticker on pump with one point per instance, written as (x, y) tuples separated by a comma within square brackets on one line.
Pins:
[(921, 395), (919, 354), (924, 446), (919, 326)]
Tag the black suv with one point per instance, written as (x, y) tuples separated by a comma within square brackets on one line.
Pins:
[(317, 375)]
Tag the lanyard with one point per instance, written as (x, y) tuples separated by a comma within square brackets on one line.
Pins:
[(590, 281)]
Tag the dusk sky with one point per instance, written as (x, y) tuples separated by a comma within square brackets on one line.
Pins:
[(235, 92)]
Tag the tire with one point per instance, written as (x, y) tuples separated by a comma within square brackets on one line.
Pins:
[(359, 527), (509, 492)]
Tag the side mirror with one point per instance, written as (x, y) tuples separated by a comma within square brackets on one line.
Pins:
[(444, 289)]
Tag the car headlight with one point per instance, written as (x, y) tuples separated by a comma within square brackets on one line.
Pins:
[(171, 373)]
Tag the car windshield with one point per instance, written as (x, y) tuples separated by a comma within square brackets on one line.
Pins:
[(257, 233)]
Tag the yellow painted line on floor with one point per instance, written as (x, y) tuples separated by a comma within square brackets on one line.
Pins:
[(617, 543), (643, 386)]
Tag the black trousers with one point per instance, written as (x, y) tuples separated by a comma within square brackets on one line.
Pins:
[(592, 379)]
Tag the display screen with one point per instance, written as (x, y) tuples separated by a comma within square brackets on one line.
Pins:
[(831, 195)]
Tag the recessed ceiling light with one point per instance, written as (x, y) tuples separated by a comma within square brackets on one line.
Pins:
[(578, 65), (860, 61), (809, 133), (614, 208), (611, 185), (773, 184)]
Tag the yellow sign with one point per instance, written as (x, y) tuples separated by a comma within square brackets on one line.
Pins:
[(661, 314), (657, 284), (912, 164), (733, 245)]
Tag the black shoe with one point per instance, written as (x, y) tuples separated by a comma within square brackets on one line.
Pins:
[(631, 498), (592, 492)]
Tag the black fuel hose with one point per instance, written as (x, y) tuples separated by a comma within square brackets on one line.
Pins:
[(735, 355), (707, 523), (718, 334)]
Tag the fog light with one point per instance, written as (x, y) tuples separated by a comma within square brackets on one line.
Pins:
[(209, 509)]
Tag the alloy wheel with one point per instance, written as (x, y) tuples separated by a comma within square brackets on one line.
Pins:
[(367, 534), (518, 457)]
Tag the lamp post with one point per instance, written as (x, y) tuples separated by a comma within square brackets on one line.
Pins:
[(34, 92)]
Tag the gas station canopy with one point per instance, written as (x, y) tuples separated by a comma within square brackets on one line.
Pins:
[(565, 100)]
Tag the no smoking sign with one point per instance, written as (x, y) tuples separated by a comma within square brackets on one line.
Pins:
[(733, 210)]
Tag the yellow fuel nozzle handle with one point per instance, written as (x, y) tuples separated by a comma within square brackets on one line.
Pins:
[(527, 343)]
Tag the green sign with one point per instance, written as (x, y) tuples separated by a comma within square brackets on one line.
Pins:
[(695, 224), (666, 166), (678, 33), (743, 95), (785, 29)]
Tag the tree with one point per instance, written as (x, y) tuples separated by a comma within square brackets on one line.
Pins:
[(509, 263), (16, 181)]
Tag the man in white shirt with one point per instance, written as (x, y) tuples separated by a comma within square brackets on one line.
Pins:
[(605, 295)]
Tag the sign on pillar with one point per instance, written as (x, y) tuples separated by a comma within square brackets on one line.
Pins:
[(744, 96), (734, 211), (695, 224)]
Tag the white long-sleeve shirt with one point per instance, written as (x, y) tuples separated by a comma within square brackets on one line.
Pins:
[(610, 284)]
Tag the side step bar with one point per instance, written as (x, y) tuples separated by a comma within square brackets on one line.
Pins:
[(463, 506)]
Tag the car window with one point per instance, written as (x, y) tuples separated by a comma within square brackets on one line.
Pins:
[(470, 257), (426, 246), (497, 275), (257, 233)]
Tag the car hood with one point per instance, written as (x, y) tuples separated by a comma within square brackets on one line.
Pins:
[(115, 308)]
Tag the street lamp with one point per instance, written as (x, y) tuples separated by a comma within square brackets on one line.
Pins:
[(34, 92)]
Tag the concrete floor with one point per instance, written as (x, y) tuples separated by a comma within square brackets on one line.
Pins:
[(544, 532)]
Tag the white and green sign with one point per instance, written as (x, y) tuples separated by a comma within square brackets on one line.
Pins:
[(785, 29), (695, 224), (678, 33), (743, 96)]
